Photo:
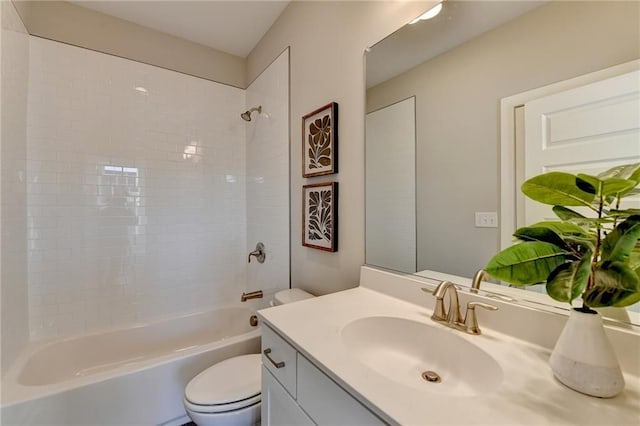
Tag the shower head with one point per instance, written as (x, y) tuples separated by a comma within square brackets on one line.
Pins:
[(246, 116)]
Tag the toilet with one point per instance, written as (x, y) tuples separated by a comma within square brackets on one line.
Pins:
[(229, 392)]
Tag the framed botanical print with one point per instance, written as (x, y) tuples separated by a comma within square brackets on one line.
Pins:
[(320, 141), (320, 216)]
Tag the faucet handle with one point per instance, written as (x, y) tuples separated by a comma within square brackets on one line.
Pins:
[(470, 319), (439, 313), (258, 253)]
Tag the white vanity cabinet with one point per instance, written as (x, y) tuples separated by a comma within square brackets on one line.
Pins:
[(296, 392)]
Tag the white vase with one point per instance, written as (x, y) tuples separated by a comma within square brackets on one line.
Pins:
[(583, 358)]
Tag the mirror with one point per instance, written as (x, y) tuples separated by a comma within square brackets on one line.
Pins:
[(457, 67)]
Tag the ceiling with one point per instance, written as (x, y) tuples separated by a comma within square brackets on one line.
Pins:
[(234, 27)]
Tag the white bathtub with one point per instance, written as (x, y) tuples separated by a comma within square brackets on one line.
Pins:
[(133, 376)]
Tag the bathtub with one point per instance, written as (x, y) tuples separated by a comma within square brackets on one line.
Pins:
[(132, 376)]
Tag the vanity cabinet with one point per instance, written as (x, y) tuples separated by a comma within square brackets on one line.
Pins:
[(296, 392), (278, 407)]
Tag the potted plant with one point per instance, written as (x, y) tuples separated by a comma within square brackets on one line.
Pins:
[(593, 256)]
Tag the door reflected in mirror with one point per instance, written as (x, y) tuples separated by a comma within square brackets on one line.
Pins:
[(391, 186), (458, 67)]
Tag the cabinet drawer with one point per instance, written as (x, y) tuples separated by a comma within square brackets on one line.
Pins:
[(326, 402), (279, 358)]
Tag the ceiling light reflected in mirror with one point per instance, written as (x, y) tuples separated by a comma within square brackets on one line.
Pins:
[(429, 14)]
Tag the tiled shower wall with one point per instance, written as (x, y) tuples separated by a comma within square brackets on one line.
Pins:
[(268, 177), (136, 200), (13, 199)]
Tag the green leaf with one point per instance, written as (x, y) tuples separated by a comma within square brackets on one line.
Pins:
[(632, 192), (630, 172), (588, 183), (526, 263), (634, 258), (627, 171), (568, 280), (604, 186), (618, 244), (556, 188), (614, 186), (541, 233), (570, 233), (561, 228), (615, 285), (566, 214), (624, 213)]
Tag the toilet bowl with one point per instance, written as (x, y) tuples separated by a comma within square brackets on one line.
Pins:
[(229, 392)]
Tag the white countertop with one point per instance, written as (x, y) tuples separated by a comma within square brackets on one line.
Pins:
[(528, 394)]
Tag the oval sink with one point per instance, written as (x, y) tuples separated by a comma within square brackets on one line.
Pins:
[(422, 356)]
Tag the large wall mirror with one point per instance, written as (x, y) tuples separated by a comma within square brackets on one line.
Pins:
[(450, 75)]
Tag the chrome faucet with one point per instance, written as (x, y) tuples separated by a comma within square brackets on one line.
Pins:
[(452, 317)]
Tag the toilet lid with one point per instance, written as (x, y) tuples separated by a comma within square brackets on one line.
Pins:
[(234, 379)]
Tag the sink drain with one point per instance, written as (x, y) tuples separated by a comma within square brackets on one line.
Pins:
[(431, 376)]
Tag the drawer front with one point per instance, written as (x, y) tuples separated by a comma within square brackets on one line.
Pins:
[(279, 358), (278, 408), (326, 402)]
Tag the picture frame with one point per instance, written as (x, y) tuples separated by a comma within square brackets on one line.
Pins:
[(320, 216), (320, 141)]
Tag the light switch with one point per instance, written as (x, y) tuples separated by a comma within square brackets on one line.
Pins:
[(486, 219)]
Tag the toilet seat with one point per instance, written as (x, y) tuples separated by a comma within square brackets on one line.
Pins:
[(230, 385), (223, 408)]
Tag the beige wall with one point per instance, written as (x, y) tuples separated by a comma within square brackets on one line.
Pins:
[(327, 42), (68, 23), (458, 95)]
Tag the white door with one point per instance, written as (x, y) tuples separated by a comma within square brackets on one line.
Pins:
[(587, 129)]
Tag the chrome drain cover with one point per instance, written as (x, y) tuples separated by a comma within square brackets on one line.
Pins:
[(431, 376)]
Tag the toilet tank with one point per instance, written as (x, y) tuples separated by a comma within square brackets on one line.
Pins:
[(290, 295)]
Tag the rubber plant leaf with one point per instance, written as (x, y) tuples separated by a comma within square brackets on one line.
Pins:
[(564, 213), (588, 183), (569, 280), (634, 257), (541, 233), (630, 172), (619, 243), (557, 188), (627, 171), (561, 228), (526, 263), (624, 213), (606, 186), (615, 285)]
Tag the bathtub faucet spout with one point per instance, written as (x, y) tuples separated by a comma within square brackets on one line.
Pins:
[(251, 295)]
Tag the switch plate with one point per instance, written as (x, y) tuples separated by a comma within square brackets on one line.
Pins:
[(486, 219)]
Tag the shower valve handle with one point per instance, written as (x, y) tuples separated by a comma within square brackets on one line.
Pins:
[(258, 253)]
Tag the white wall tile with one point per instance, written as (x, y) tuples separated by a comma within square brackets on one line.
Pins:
[(267, 153), (132, 211), (13, 183)]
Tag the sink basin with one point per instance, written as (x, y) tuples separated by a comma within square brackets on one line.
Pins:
[(422, 356)]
